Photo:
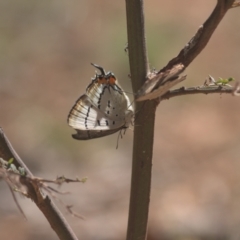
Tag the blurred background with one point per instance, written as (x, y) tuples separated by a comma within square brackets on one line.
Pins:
[(45, 52)]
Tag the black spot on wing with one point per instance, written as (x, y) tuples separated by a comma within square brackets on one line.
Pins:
[(86, 118)]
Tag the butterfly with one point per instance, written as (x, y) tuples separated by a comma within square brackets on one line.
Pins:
[(103, 110)]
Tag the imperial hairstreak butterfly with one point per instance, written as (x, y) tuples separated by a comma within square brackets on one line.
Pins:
[(103, 110)]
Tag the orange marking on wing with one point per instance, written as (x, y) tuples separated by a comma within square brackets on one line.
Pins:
[(102, 81), (112, 80)]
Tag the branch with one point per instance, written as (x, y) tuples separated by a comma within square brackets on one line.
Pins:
[(143, 133), (196, 90), (210, 86), (158, 83), (202, 37), (43, 202)]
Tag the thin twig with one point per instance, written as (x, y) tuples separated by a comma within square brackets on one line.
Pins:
[(202, 37), (197, 90), (43, 202)]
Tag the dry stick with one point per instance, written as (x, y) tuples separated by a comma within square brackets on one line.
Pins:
[(186, 56), (143, 133), (43, 202), (144, 128), (197, 90)]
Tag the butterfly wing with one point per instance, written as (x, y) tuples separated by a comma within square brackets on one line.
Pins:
[(85, 116), (89, 121), (112, 101), (87, 134)]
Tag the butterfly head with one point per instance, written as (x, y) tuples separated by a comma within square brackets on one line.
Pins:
[(103, 77)]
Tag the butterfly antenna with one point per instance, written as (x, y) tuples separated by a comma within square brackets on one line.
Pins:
[(99, 68)]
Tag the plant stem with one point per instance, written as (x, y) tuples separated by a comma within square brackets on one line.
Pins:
[(144, 125)]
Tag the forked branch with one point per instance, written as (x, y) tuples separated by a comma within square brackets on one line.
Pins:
[(43, 201), (160, 82)]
